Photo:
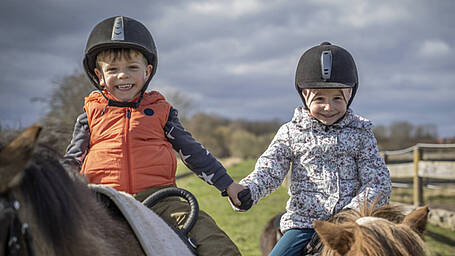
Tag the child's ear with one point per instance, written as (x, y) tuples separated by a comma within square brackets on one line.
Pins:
[(100, 76), (148, 71)]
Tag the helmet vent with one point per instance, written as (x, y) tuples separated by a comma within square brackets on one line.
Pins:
[(118, 32), (326, 64)]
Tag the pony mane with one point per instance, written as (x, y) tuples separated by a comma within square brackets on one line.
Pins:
[(378, 231), (56, 199), (393, 213)]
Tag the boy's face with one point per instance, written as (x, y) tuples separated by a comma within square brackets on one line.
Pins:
[(123, 77), (327, 105)]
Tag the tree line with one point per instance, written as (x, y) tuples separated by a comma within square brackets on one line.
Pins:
[(223, 137)]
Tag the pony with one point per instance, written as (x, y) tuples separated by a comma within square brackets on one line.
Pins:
[(46, 209), (270, 234), (368, 231)]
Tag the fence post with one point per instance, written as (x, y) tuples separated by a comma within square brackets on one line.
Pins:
[(418, 184), (385, 157)]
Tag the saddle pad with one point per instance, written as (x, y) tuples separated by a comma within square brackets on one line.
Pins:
[(154, 235)]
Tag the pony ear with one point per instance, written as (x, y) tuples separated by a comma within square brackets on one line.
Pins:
[(338, 237), (15, 157), (417, 220)]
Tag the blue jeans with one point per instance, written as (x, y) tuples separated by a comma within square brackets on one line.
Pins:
[(292, 242)]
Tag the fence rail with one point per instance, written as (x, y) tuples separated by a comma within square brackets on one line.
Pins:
[(419, 168)]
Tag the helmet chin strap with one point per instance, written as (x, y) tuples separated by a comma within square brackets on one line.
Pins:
[(116, 103)]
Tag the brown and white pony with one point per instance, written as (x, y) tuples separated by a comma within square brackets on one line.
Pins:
[(381, 231), (47, 210)]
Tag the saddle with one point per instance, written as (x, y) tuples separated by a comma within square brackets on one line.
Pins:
[(154, 235), (314, 247)]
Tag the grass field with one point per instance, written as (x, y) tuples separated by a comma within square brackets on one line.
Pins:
[(245, 228)]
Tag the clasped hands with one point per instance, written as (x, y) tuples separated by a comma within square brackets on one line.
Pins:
[(239, 196)]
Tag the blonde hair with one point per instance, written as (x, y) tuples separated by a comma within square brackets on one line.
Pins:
[(113, 54)]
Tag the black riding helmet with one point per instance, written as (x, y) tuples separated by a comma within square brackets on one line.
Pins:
[(326, 66), (119, 32)]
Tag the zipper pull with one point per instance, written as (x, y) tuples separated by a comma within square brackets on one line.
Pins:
[(104, 110), (128, 113)]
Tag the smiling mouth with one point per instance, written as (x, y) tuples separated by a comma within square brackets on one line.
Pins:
[(329, 116), (124, 87)]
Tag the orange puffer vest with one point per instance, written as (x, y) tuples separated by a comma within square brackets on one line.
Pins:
[(128, 148)]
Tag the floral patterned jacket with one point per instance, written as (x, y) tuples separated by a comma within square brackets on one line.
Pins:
[(332, 168)]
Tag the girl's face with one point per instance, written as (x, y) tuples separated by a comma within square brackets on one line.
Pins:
[(327, 105), (124, 78)]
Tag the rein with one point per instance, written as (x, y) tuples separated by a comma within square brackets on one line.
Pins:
[(17, 230)]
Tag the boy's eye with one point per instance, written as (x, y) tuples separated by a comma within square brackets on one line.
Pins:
[(111, 69)]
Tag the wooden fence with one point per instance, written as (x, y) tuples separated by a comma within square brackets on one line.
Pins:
[(439, 165)]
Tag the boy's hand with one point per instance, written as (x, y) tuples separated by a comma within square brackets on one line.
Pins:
[(242, 196), (233, 191)]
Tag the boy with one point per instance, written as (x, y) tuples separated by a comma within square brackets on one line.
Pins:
[(126, 136), (333, 153)]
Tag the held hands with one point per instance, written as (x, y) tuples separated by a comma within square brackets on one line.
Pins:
[(245, 199), (232, 192), (239, 196)]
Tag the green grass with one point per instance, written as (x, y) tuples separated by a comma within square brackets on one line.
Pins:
[(245, 228), (440, 241)]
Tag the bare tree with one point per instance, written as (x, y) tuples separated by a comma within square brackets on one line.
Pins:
[(65, 104), (426, 131), (181, 102), (401, 130), (402, 134)]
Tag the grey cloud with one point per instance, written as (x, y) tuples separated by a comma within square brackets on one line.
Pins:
[(241, 62)]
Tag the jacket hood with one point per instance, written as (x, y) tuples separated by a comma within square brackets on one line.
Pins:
[(303, 119)]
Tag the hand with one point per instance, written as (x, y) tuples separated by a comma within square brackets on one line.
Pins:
[(245, 197), (232, 191)]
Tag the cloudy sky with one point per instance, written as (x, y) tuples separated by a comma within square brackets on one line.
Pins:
[(238, 58)]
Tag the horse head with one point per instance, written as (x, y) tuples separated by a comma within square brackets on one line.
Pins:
[(13, 159)]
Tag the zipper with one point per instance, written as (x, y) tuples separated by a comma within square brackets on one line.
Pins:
[(127, 149)]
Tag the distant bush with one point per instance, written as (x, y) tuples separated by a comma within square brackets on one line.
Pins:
[(402, 134)]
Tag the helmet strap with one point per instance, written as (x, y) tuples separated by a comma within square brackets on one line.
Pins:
[(115, 103)]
